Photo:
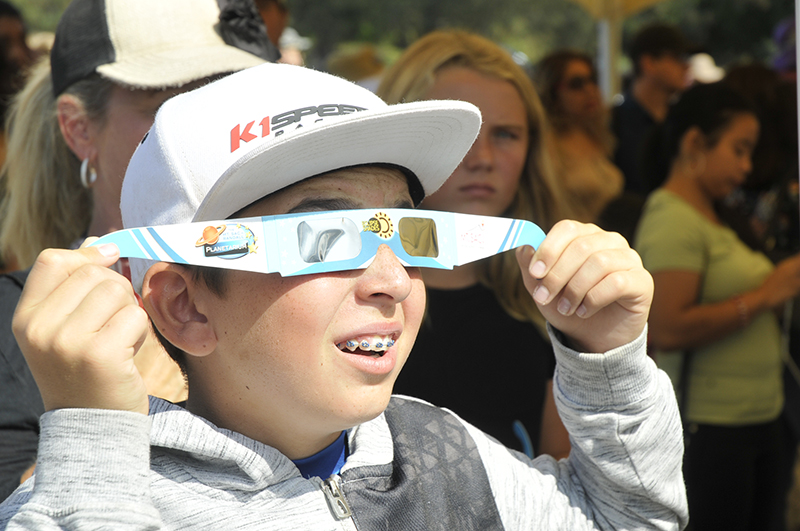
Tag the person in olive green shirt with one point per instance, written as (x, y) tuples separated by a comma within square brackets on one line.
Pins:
[(715, 297), (728, 384)]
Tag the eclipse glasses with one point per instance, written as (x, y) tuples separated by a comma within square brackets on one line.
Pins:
[(324, 242)]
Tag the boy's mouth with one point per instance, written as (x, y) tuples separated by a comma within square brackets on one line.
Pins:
[(375, 346)]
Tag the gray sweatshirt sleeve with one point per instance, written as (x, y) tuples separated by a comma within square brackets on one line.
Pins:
[(92, 473), (624, 470)]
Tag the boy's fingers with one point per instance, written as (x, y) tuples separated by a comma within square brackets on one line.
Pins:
[(525, 256), (558, 239), (594, 250), (129, 326), (100, 304), (66, 297), (101, 361), (88, 241), (622, 287), (54, 266), (78, 321), (74, 313), (589, 274)]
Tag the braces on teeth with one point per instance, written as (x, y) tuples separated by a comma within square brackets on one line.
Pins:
[(379, 346)]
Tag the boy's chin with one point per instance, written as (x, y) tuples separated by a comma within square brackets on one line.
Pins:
[(367, 411)]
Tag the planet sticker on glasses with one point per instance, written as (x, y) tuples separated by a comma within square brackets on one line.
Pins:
[(379, 224), (210, 235), (227, 241)]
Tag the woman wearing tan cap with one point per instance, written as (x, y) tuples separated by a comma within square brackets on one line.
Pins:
[(72, 131)]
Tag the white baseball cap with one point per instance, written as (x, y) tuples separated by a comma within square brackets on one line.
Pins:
[(217, 149)]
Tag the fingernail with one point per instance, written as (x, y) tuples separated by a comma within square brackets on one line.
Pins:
[(564, 306), (108, 249), (581, 311), (538, 269), (541, 294)]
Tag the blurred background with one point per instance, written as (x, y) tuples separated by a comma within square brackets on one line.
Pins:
[(730, 31)]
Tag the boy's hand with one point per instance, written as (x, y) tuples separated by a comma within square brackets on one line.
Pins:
[(79, 326), (589, 284)]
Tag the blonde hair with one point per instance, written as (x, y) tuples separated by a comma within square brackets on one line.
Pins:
[(539, 198), (43, 202)]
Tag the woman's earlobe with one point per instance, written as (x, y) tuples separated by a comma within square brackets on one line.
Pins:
[(169, 293)]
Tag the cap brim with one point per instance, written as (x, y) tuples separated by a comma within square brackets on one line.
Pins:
[(429, 138), (176, 67)]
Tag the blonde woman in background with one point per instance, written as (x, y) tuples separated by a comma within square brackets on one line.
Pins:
[(582, 142), (71, 133), (496, 370)]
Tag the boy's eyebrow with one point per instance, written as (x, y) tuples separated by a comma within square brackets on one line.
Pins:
[(313, 204)]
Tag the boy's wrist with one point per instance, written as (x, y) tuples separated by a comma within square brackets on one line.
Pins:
[(104, 448), (611, 379)]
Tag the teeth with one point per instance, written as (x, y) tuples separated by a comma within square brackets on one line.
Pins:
[(376, 343)]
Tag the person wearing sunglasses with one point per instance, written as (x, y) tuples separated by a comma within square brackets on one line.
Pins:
[(286, 426), (581, 142)]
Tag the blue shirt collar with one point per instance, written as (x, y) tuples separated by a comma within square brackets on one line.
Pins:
[(326, 462)]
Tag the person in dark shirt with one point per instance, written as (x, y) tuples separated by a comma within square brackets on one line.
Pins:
[(21, 403), (658, 53)]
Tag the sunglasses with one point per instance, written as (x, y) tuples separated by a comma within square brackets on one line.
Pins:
[(324, 242), (579, 82)]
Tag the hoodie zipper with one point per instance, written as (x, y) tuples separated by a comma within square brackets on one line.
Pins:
[(335, 497)]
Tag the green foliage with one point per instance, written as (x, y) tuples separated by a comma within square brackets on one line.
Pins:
[(530, 26), (537, 27), (731, 30), (41, 15)]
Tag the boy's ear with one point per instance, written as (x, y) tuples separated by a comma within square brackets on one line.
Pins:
[(75, 126), (169, 293)]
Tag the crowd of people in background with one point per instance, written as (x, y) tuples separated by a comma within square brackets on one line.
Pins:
[(699, 175)]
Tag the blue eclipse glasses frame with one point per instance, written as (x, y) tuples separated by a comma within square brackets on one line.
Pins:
[(323, 242)]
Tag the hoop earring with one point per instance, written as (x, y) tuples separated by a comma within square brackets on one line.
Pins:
[(87, 180)]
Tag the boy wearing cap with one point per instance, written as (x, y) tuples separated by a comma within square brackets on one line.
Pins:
[(284, 426)]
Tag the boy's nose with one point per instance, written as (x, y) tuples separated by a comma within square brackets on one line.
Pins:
[(385, 280)]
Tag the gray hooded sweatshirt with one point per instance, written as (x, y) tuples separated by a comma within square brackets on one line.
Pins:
[(414, 467)]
